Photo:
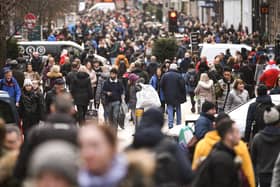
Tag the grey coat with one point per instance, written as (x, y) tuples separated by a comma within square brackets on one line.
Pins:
[(227, 87), (276, 173), (235, 99)]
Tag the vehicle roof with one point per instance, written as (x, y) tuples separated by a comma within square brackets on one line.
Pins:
[(70, 43), (103, 6), (212, 50)]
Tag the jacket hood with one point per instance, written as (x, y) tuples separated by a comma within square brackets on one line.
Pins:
[(206, 85), (211, 138), (264, 99), (270, 134)]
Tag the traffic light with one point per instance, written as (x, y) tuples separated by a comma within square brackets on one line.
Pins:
[(172, 21)]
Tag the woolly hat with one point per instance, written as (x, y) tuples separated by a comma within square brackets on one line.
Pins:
[(173, 66), (27, 82), (6, 70), (206, 106), (133, 77), (57, 157), (271, 116), (59, 81)]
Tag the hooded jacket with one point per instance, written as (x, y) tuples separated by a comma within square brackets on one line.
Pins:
[(203, 125), (205, 90), (269, 77), (204, 147), (82, 90), (266, 99), (265, 149)]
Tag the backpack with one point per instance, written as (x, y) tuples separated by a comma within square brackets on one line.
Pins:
[(191, 79), (258, 116), (218, 90), (166, 173)]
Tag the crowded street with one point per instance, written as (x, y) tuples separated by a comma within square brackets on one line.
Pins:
[(139, 93)]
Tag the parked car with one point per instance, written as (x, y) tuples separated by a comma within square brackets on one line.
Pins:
[(238, 114), (8, 109)]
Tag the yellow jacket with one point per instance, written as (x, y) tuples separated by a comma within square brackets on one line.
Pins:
[(205, 145)]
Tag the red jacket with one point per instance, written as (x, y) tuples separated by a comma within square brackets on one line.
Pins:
[(269, 77)]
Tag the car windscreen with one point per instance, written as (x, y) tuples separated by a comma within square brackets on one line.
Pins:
[(6, 112)]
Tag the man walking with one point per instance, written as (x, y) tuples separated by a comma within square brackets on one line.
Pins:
[(113, 91), (173, 86)]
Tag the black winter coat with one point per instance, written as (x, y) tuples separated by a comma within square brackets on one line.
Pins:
[(81, 89), (173, 86), (224, 171), (31, 105)]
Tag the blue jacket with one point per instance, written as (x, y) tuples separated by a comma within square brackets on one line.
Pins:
[(13, 89), (203, 125), (155, 84)]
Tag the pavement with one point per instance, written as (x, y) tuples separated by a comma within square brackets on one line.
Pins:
[(125, 135)]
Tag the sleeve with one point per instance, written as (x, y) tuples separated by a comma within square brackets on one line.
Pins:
[(18, 92), (229, 102), (90, 93), (126, 63), (200, 129), (94, 79), (152, 83), (184, 167), (276, 174), (254, 153), (117, 61), (196, 156), (247, 166), (262, 77), (249, 121)]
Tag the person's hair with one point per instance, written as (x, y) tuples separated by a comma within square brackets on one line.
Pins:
[(224, 127), (114, 70), (12, 128), (108, 133), (237, 82), (221, 116), (261, 90), (63, 103), (55, 68), (227, 69)]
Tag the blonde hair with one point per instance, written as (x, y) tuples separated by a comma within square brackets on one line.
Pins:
[(204, 77), (55, 68)]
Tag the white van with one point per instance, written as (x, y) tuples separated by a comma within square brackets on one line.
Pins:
[(103, 6), (212, 50)]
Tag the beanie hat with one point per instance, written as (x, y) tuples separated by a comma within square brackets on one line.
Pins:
[(152, 117), (58, 157), (6, 70), (27, 82), (133, 77), (173, 66), (59, 81), (262, 90), (271, 116), (207, 106)]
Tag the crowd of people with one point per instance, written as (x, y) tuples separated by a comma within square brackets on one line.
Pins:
[(56, 100)]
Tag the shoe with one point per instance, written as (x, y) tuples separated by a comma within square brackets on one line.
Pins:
[(170, 127), (193, 110)]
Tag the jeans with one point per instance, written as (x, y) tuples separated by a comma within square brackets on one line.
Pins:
[(113, 113), (170, 111)]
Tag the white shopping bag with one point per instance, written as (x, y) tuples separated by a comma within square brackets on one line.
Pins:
[(147, 97)]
